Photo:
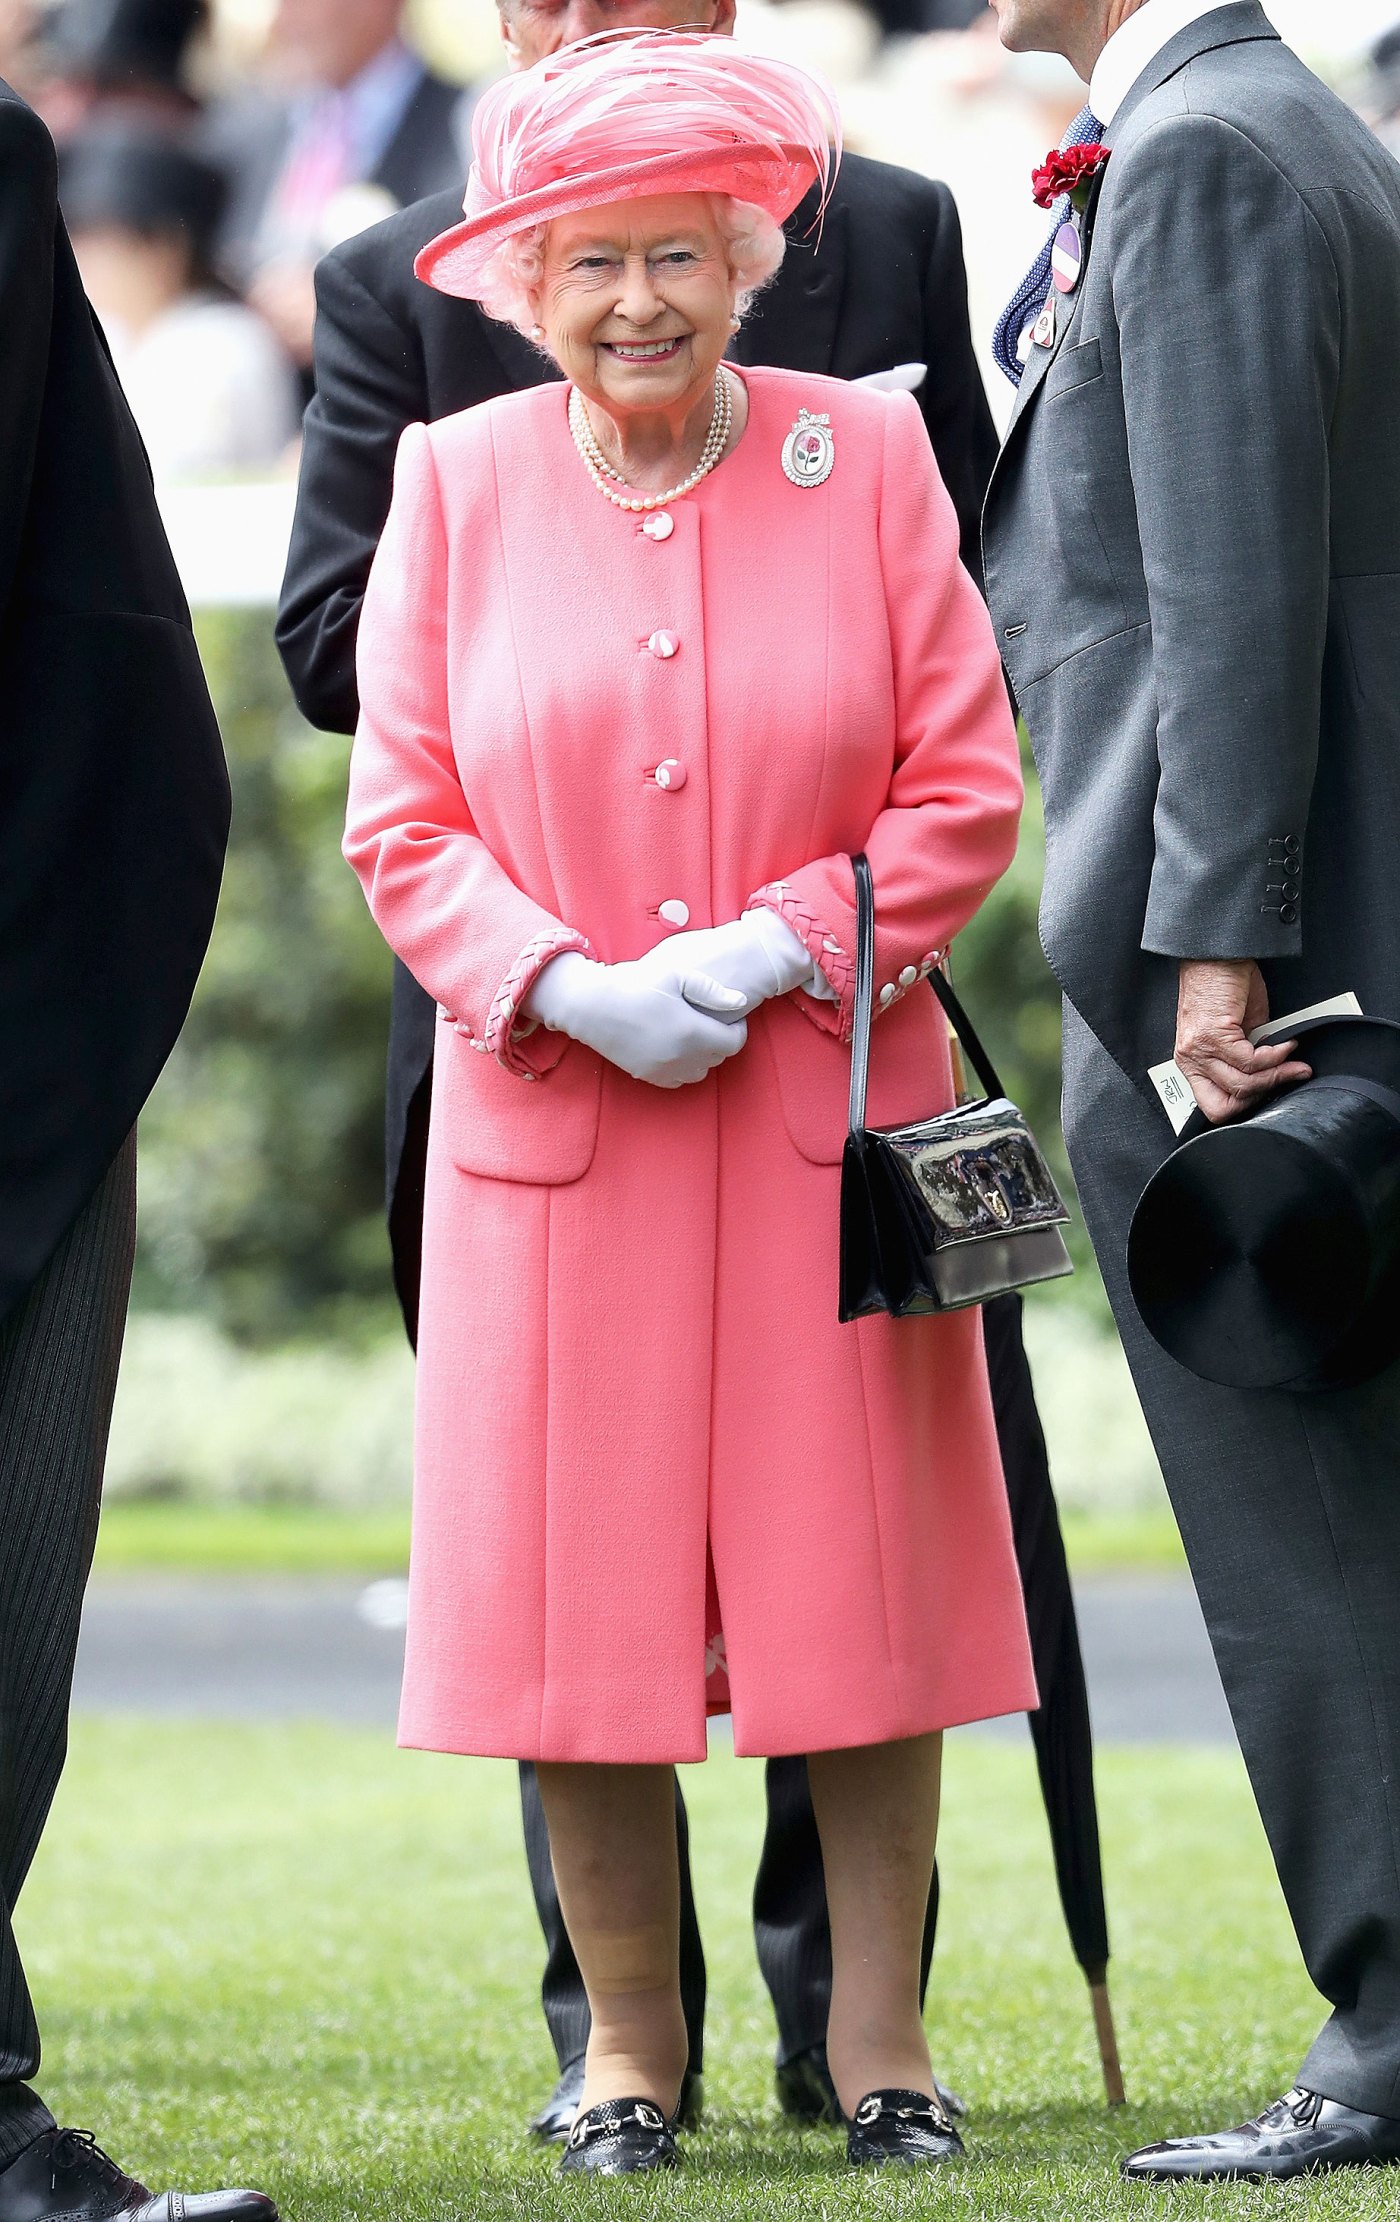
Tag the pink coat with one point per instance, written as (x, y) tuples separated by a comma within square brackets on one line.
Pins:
[(654, 1476)]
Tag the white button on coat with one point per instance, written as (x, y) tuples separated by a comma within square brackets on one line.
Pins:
[(887, 993), (908, 976), (675, 912), (670, 775), (663, 645), (659, 525)]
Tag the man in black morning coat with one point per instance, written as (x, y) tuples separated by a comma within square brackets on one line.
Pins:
[(885, 285), (113, 819)]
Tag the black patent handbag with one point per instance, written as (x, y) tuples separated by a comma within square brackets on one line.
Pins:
[(948, 1211)]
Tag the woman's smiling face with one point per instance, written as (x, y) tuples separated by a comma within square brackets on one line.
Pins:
[(637, 301)]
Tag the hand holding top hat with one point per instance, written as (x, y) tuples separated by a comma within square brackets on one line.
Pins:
[(1219, 1006), (1265, 1252)]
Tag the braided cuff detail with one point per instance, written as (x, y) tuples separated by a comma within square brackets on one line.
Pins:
[(506, 1032), (825, 951)]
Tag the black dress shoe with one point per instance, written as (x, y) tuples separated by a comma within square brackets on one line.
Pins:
[(807, 2093), (805, 2089), (1296, 2136), (556, 2117), (620, 2137), (902, 2128), (65, 2172)]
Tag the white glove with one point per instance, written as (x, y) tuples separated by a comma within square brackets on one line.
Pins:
[(660, 1023), (758, 954)]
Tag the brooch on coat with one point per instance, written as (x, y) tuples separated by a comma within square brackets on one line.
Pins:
[(809, 451)]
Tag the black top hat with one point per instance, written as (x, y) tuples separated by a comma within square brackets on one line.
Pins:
[(1266, 1254), (135, 176), (113, 42)]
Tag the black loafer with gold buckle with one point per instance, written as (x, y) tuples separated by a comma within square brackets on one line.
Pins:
[(903, 2129), (620, 2137)]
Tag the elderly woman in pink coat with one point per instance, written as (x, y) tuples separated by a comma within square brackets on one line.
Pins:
[(646, 655)]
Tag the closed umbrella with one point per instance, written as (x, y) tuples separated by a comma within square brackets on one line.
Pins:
[(1061, 1730)]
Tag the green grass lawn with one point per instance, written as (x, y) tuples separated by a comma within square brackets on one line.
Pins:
[(172, 1536), (175, 1537), (293, 1955), (1141, 1541)]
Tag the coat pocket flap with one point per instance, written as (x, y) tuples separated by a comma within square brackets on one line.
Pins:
[(503, 1127), (910, 1073)]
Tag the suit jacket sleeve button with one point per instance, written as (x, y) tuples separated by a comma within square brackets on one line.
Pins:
[(1289, 914)]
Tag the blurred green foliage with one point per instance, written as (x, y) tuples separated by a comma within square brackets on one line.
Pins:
[(1007, 985), (1013, 1001), (262, 1149)]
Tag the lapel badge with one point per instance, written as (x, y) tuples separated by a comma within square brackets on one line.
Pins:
[(1043, 333), (809, 451), (1067, 258)]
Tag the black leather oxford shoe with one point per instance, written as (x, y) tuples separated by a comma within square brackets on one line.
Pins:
[(556, 2117), (1296, 2136), (66, 2173), (901, 2129), (620, 2137), (806, 2092)]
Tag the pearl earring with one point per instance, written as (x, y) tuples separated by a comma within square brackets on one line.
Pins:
[(537, 331), (735, 323)]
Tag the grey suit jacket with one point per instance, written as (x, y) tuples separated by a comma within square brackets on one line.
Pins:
[(1192, 544), (247, 139)]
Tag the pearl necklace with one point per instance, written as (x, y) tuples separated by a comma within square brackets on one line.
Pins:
[(601, 471)]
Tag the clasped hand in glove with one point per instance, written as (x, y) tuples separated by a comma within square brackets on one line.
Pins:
[(676, 1013), (758, 954), (662, 1019)]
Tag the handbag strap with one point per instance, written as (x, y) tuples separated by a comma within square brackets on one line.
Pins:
[(942, 987)]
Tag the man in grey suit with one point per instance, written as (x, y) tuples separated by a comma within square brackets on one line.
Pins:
[(1193, 562)]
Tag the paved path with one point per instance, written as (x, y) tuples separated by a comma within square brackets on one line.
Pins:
[(332, 1650)]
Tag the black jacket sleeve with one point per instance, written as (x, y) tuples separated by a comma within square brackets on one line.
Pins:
[(953, 397), (28, 218), (370, 383)]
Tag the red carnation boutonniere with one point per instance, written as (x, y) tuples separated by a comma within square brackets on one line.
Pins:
[(1069, 170)]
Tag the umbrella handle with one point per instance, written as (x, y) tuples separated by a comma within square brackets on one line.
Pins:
[(1108, 2042)]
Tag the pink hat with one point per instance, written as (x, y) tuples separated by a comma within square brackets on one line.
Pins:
[(626, 115)]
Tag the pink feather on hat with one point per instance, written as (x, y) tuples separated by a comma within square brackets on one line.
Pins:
[(626, 115)]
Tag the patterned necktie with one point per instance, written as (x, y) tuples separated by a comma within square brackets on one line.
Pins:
[(319, 164), (1030, 294)]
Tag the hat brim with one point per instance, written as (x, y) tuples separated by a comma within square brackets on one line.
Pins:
[(455, 261)]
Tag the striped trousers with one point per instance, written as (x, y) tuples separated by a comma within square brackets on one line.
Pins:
[(59, 1351)]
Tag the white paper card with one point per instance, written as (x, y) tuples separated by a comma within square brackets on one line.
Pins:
[(1174, 1089), (1282, 1029)]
